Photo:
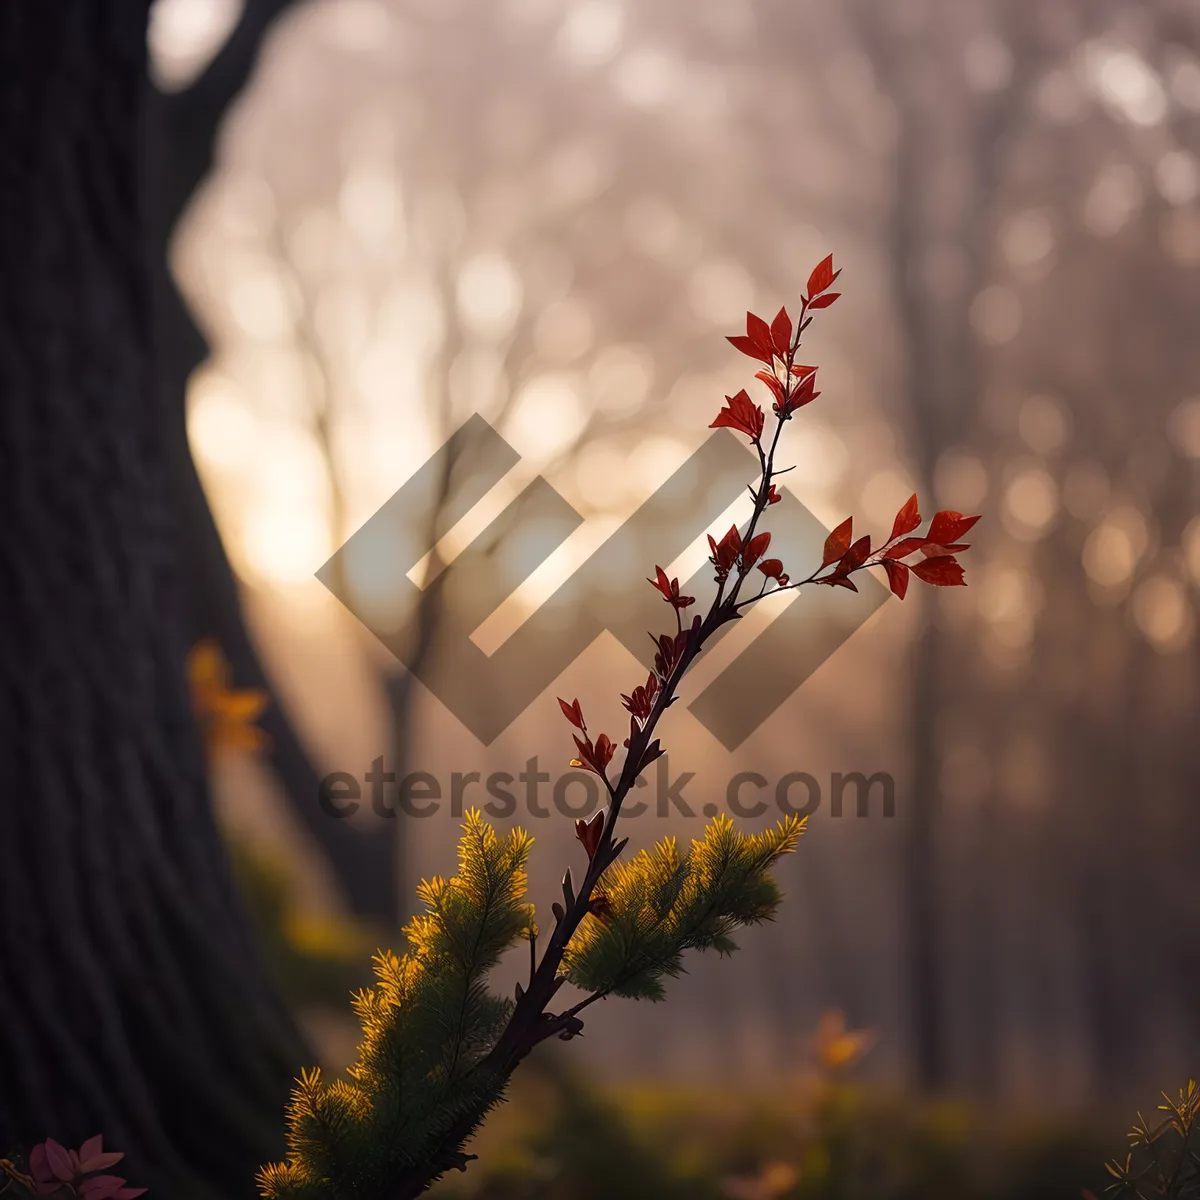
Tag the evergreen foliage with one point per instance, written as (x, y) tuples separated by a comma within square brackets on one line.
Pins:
[(662, 903), (1163, 1158), (427, 1023)]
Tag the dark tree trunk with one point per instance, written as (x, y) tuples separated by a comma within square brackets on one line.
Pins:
[(132, 1001)]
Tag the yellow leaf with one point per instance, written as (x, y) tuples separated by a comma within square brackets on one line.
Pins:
[(838, 1047), (226, 715)]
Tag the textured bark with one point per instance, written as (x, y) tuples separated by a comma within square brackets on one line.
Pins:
[(132, 1000)]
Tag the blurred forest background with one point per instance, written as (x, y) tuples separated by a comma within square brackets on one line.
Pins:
[(550, 213), (377, 217)]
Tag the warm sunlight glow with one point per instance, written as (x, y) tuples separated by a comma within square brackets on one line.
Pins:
[(1163, 614), (184, 35), (489, 296), (591, 32), (1190, 544), (260, 300), (1114, 547), (1184, 427), (961, 481), (620, 378), (369, 201), (884, 493), (286, 544), (564, 331), (221, 424), (1125, 82), (1030, 503), (1044, 424), (548, 416), (720, 291)]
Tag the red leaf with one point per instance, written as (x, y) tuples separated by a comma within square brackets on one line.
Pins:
[(742, 414), (669, 588), (105, 1187), (897, 574), (856, 555), (755, 548), (747, 346), (572, 712), (905, 547), (949, 526), (59, 1161), (838, 542), (943, 571), (907, 519), (773, 496), (653, 751), (781, 333), (101, 1187), (39, 1168), (596, 756), (822, 276), (772, 381), (725, 552), (99, 1162), (588, 832), (641, 702), (605, 749), (731, 543), (839, 581), (772, 568), (801, 371), (806, 393), (824, 301), (759, 333)]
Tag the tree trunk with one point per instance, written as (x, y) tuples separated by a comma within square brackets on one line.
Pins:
[(132, 1001)]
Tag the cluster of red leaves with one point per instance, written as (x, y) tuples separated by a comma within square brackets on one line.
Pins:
[(670, 590), (930, 556), (731, 551), (640, 702), (773, 344), (54, 1170), (593, 755), (936, 548)]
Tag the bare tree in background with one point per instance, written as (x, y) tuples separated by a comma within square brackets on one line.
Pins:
[(969, 87), (184, 130)]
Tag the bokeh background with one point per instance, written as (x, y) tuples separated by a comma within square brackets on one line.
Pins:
[(551, 212)]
